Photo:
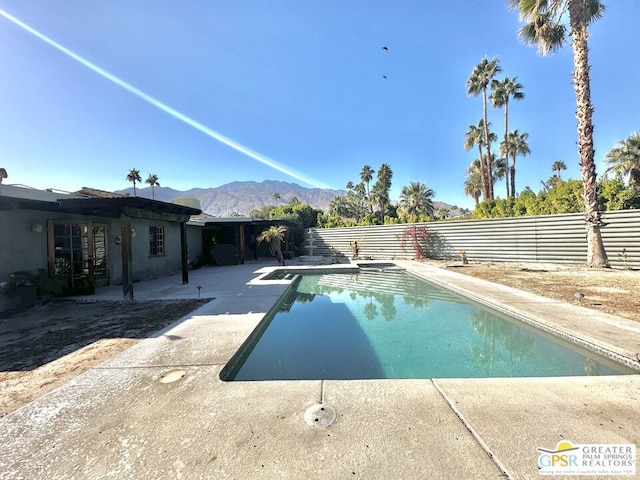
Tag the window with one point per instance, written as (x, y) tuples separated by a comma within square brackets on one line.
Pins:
[(156, 241)]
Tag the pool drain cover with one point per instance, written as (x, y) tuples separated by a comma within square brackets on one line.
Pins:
[(172, 376), (320, 415)]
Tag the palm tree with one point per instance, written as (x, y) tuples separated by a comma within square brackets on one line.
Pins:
[(502, 91), (477, 83), (339, 206), (357, 201), (152, 180), (500, 168), (544, 27), (417, 199), (624, 159), (380, 192), (516, 145), (473, 183), (557, 166), (134, 176), (366, 175), (475, 136), (294, 201), (274, 236), (277, 197)]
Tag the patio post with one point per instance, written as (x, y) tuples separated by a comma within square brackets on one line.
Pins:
[(183, 250), (127, 267)]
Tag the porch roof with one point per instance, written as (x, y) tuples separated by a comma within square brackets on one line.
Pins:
[(19, 197), (114, 206)]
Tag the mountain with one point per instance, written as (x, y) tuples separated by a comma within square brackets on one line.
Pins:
[(242, 197)]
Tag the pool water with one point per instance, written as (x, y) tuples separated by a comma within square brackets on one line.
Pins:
[(386, 323)]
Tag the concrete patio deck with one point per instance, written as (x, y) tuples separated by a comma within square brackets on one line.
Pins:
[(118, 421)]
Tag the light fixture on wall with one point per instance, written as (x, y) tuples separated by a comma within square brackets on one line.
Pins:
[(118, 238), (36, 228)]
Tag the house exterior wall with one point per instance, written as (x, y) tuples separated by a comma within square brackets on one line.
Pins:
[(144, 265), (21, 249)]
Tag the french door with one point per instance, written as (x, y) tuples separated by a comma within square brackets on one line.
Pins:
[(78, 251)]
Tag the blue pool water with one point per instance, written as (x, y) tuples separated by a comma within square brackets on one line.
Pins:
[(390, 324)]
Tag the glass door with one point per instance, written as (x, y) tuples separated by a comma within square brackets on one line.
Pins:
[(78, 252)]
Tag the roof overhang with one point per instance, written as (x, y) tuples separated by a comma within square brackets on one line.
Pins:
[(14, 198)]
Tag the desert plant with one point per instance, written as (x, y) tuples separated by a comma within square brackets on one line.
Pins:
[(418, 239)]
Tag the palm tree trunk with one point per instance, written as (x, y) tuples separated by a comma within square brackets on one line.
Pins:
[(513, 176), (506, 130), (488, 172), (634, 177), (507, 175), (578, 18), (483, 178)]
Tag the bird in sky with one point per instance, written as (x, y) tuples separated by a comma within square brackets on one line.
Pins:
[(385, 48), (384, 76)]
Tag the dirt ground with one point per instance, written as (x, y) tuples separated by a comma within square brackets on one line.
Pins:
[(48, 345), (45, 346), (612, 290)]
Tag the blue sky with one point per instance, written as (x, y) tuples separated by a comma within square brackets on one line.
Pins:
[(294, 89)]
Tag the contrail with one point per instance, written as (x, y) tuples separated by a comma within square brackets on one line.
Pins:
[(165, 108)]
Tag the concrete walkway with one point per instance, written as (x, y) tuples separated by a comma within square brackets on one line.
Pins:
[(119, 421)]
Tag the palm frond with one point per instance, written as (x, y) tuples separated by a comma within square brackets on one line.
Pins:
[(545, 33)]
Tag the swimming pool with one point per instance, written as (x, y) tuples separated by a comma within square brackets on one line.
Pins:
[(378, 323)]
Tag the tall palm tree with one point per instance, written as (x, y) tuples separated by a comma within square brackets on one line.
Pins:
[(477, 83), (417, 199), (134, 176), (277, 197), (557, 166), (152, 180), (544, 27), (381, 189), (624, 159), (475, 136), (473, 183), (516, 145), (366, 175), (501, 92), (274, 236)]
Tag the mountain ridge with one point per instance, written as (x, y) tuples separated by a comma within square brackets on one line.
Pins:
[(241, 197)]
